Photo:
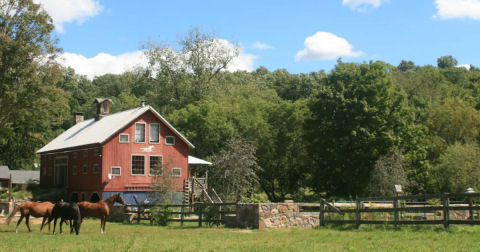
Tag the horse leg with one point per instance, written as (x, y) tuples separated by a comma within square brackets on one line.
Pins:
[(27, 217), (61, 223), (104, 223), (18, 223), (43, 223), (54, 225), (101, 225), (71, 227)]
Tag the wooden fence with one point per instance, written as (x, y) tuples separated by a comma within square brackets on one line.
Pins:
[(396, 209), (201, 212)]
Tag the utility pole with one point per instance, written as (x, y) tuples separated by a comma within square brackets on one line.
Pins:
[(10, 189)]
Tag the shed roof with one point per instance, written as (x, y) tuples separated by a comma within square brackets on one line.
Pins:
[(22, 177), (97, 132), (197, 161), (4, 172), (100, 100)]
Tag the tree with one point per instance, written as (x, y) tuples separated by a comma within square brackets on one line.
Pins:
[(389, 170), (234, 172), (282, 152), (188, 74), (28, 68), (163, 181), (447, 62), (357, 118), (458, 168), (405, 66)]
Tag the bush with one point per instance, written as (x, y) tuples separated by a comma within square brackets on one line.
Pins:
[(161, 215)]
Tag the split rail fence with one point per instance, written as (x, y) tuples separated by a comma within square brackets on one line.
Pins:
[(202, 213), (397, 208)]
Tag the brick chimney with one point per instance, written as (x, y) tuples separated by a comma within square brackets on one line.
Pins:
[(78, 117), (103, 108)]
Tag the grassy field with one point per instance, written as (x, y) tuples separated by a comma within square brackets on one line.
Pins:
[(122, 237)]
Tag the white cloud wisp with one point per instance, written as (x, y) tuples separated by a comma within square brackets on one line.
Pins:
[(361, 5), (261, 46), (450, 9), (326, 46), (68, 11)]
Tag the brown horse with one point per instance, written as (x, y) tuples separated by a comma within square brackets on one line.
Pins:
[(100, 209), (34, 209)]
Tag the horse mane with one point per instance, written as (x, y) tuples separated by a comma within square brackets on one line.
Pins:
[(111, 198)]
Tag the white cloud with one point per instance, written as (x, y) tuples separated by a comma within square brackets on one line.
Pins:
[(103, 63), (261, 46), (68, 11), (325, 46), (448, 9), (361, 5), (467, 66)]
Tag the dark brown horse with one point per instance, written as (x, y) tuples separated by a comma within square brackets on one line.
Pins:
[(35, 209), (100, 209), (66, 211)]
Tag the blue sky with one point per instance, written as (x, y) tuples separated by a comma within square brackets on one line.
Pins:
[(101, 36)]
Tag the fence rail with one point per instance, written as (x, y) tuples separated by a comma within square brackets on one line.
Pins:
[(396, 208), (215, 214)]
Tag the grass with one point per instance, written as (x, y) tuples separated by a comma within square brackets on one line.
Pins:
[(123, 237)]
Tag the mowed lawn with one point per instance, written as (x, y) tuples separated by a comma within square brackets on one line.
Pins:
[(121, 237)]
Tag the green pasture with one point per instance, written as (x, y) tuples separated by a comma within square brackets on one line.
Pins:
[(123, 237)]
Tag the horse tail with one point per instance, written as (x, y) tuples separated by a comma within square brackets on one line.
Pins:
[(12, 214)]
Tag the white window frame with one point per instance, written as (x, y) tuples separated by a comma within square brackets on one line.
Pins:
[(74, 170), (116, 175), (49, 173), (98, 168), (144, 165), (85, 153), (168, 137), (144, 133), (177, 168), (96, 152), (149, 164), (150, 130), (75, 155), (124, 134), (83, 169)]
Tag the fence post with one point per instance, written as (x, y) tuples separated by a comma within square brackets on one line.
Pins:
[(138, 214), (219, 215), (321, 217), (181, 215), (446, 212), (357, 213), (200, 215), (470, 211), (395, 209)]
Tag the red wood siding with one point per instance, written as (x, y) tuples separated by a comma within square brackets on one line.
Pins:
[(120, 154)]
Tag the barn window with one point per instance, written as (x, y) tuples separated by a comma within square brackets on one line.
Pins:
[(74, 154), (44, 158), (169, 140), (49, 157), (83, 197), (124, 138), (74, 170), (116, 170), (154, 133), (49, 171), (44, 171), (85, 153), (139, 132), (176, 172), (138, 165), (85, 169), (96, 152), (154, 169), (95, 168)]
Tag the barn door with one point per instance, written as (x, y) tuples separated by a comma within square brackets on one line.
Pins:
[(61, 172)]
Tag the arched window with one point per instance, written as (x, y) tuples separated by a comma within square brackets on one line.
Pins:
[(94, 198)]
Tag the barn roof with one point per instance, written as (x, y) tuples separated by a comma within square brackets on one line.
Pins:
[(22, 177), (97, 132), (4, 172), (197, 161)]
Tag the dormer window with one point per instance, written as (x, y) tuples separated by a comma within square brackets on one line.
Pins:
[(105, 107), (154, 133), (139, 132)]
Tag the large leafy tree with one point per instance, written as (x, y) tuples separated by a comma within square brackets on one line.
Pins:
[(358, 117), (447, 62), (32, 106)]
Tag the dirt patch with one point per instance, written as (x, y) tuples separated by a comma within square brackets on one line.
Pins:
[(242, 231), (34, 221)]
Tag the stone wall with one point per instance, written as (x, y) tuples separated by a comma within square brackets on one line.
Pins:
[(272, 215)]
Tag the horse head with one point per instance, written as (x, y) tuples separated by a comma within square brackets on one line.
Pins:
[(119, 199)]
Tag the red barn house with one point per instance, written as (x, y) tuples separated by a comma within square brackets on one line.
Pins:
[(113, 153)]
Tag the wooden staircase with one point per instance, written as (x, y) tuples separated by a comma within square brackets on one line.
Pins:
[(195, 188)]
